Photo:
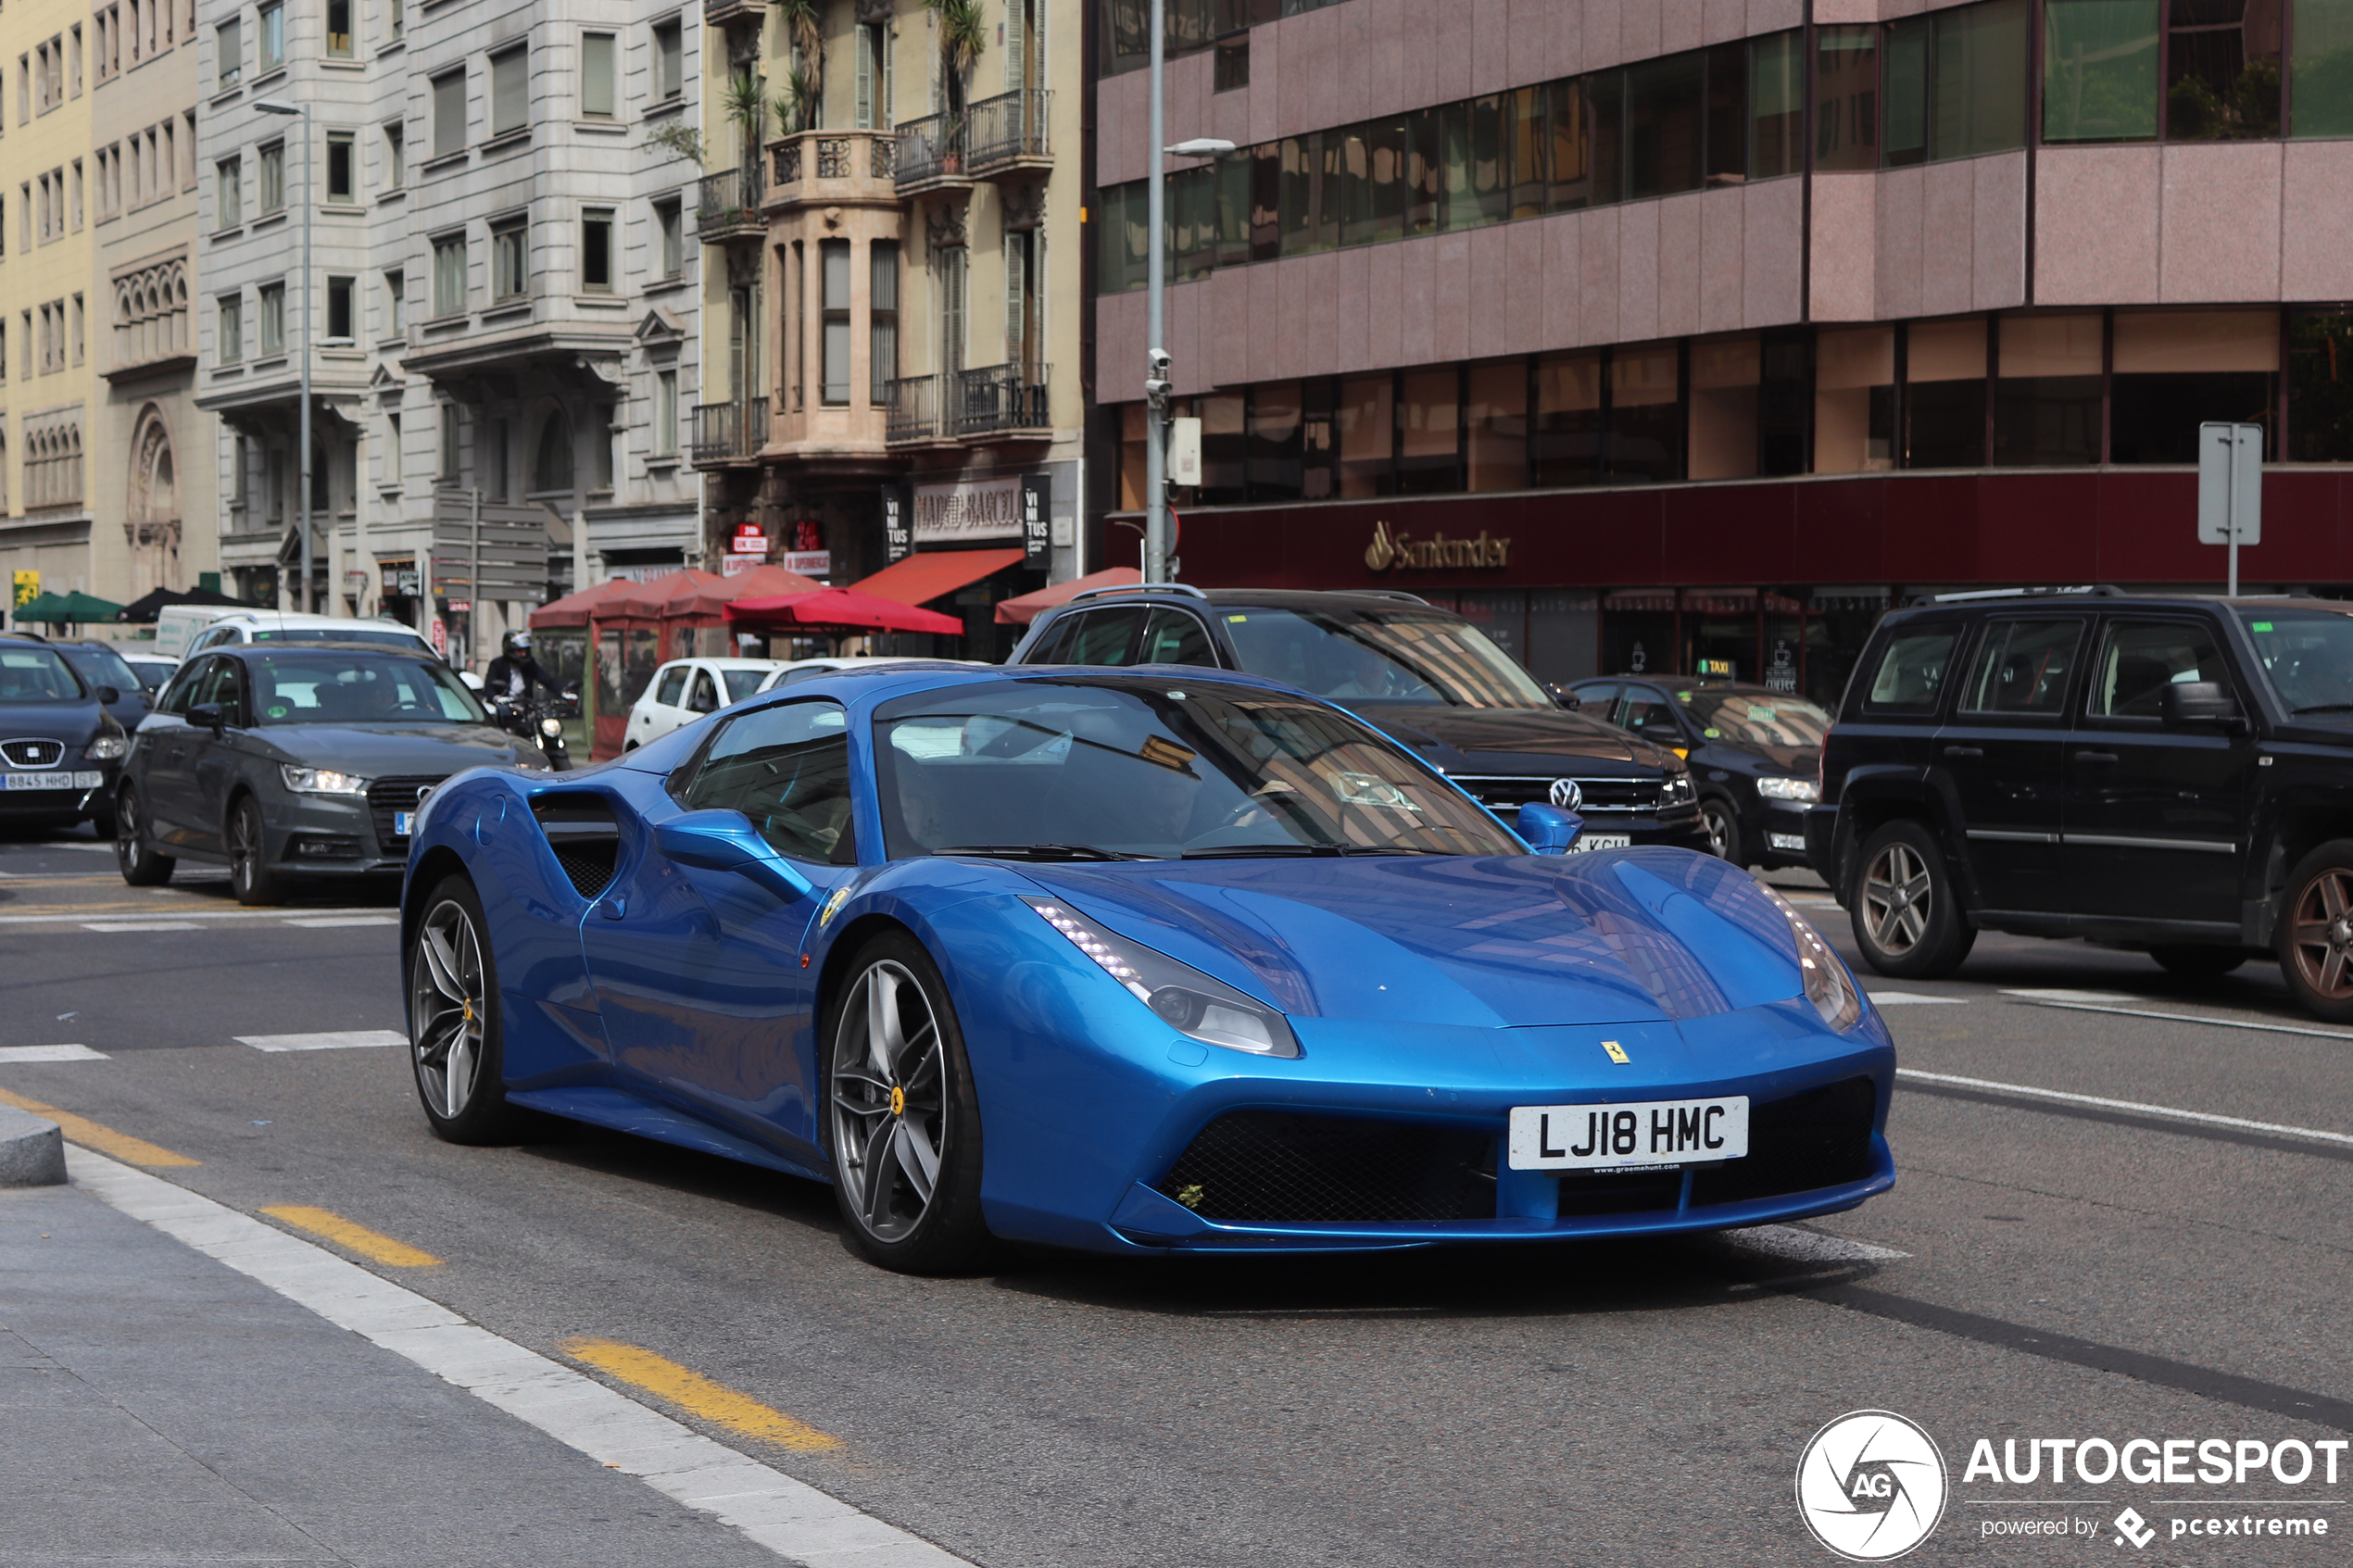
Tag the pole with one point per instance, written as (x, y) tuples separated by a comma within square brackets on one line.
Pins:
[(473, 580), (302, 508), (1156, 289)]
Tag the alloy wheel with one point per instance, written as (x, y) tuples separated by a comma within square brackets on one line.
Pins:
[(2320, 934), (446, 1000), (889, 1100), (126, 832), (1898, 898), (244, 847), (1718, 821)]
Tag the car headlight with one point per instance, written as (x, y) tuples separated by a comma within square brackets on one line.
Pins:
[(551, 728), (1188, 1001), (1679, 789), (323, 781), (107, 748), (1789, 789), (1828, 985)]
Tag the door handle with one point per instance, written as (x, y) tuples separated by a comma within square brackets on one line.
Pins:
[(1964, 751), (2095, 757)]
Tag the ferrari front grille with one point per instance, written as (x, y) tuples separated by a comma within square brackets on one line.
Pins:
[(1271, 1165), (1821, 1138)]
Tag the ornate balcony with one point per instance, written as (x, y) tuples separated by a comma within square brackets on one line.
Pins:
[(719, 13), (913, 409), (728, 432), (830, 168), (1007, 134), (727, 205), (994, 403), (931, 155)]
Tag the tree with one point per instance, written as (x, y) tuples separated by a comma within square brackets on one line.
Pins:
[(804, 24), (961, 33), (746, 106)]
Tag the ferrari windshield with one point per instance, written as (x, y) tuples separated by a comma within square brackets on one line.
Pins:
[(2308, 657), (1117, 767), (354, 689), (1381, 655)]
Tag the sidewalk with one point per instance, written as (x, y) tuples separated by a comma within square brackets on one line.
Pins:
[(157, 1407)]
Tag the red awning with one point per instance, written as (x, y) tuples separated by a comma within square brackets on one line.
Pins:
[(841, 610), (652, 599), (919, 579), (1029, 607), (573, 610), (759, 583)]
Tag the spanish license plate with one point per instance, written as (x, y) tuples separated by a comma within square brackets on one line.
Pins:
[(1589, 841), (400, 821), (54, 781), (1648, 1134)]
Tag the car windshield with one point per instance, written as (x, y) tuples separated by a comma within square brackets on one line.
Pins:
[(389, 637), (1747, 718), (742, 683), (104, 667), (353, 688), (2308, 657), (1113, 767), (1381, 655), (35, 674)]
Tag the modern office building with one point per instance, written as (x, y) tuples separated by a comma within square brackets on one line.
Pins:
[(1661, 333), (891, 302)]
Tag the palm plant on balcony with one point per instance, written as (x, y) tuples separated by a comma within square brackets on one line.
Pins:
[(962, 31), (804, 24), (795, 107), (746, 106)]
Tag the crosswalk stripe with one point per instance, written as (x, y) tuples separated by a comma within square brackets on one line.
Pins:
[(333, 1040), (50, 1053)]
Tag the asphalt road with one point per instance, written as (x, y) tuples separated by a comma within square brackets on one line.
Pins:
[(2061, 1268)]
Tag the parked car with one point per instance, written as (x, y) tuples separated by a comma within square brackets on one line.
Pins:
[(801, 669), (684, 689), (1427, 676), (1753, 752), (288, 626), (2173, 774), (102, 664), (152, 669), (59, 747), (297, 761)]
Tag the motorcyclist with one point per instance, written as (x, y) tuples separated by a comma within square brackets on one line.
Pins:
[(514, 671)]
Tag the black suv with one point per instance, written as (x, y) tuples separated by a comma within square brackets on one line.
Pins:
[(1424, 675), (2173, 774), (1754, 753)]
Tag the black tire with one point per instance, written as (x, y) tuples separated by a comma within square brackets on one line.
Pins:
[(1723, 828), (2314, 932), (2201, 963), (888, 1106), (454, 1010), (139, 865), (1905, 908), (249, 875)]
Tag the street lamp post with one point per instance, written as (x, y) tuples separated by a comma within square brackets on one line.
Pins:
[(302, 499)]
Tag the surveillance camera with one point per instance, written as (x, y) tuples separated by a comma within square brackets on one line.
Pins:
[(1159, 363)]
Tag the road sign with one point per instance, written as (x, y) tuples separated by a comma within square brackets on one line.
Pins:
[(2230, 488)]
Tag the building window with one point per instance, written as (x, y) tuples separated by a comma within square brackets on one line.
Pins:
[(449, 441), (2223, 73), (342, 181), (510, 262), (389, 463), (2171, 371), (2321, 67), (341, 328), (873, 105), (882, 347), (273, 177), (229, 193), (230, 330), (1944, 394), (2099, 70), (666, 413), (673, 244), (1955, 84), (396, 303), (396, 156), (952, 269), (833, 262), (670, 75), (229, 57), (596, 251), (396, 19), (339, 29), (271, 24), (449, 113), (597, 91), (78, 336), (73, 62), (1231, 67), (77, 196), (510, 91), (273, 318), (449, 275)]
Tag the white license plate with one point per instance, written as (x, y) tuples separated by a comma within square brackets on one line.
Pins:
[(54, 781), (400, 821), (1787, 841), (1591, 841), (1647, 1133)]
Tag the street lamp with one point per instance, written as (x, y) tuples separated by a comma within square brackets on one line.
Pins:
[(302, 499)]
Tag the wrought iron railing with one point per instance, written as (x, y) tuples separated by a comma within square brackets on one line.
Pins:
[(729, 431), (998, 398), (1009, 128), (913, 409), (834, 157), (788, 163), (726, 200), (930, 148)]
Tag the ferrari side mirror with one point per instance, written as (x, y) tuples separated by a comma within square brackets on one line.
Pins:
[(726, 841), (1548, 829)]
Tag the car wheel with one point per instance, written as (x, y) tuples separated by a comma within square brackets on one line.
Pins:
[(454, 1036), (139, 865), (1723, 831), (249, 875), (2315, 932), (1907, 918), (902, 1120), (2200, 962)]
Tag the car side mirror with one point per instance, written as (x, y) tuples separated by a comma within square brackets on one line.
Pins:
[(1566, 697), (1548, 829), (207, 715), (109, 696), (2184, 703), (726, 841)]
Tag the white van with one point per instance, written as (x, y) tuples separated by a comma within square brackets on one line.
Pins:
[(175, 624), (291, 626)]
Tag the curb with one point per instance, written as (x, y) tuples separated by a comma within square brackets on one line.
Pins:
[(32, 1152)]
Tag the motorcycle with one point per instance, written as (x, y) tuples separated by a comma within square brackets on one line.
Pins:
[(541, 718)]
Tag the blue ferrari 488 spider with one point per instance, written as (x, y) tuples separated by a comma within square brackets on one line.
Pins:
[(1140, 960)]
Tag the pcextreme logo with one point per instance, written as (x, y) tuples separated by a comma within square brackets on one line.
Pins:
[(1871, 1486)]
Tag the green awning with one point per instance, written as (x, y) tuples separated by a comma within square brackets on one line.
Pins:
[(55, 609)]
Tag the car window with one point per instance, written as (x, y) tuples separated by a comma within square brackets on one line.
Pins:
[(182, 690), (103, 667), (2307, 655), (221, 686), (1104, 637), (1418, 656), (1911, 671), (321, 687), (31, 673), (212, 637), (2023, 667), (804, 672), (2140, 659), (741, 684), (787, 769), (1594, 697), (704, 696), (673, 682), (1175, 636), (1647, 712), (1747, 718)]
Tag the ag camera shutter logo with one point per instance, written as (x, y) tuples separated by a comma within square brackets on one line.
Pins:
[(1871, 1486)]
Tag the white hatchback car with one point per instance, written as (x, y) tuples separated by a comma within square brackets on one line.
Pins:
[(809, 669), (684, 689), (292, 626)]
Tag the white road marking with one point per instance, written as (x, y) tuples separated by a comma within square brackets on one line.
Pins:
[(788, 1517), (50, 1053), (1913, 998), (335, 1040), (2064, 999), (329, 923), (1801, 1245), (70, 918), (141, 926), (2074, 996), (2203, 1116)]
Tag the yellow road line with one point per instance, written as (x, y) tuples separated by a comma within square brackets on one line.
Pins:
[(697, 1395), (351, 1236), (106, 1140)]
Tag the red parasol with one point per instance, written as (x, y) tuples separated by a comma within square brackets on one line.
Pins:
[(1027, 608), (842, 609)]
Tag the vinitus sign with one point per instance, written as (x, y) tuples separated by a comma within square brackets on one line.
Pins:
[(1391, 547)]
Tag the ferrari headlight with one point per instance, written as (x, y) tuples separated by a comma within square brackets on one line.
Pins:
[(322, 781), (1828, 985), (1789, 789), (107, 748), (1186, 1000)]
